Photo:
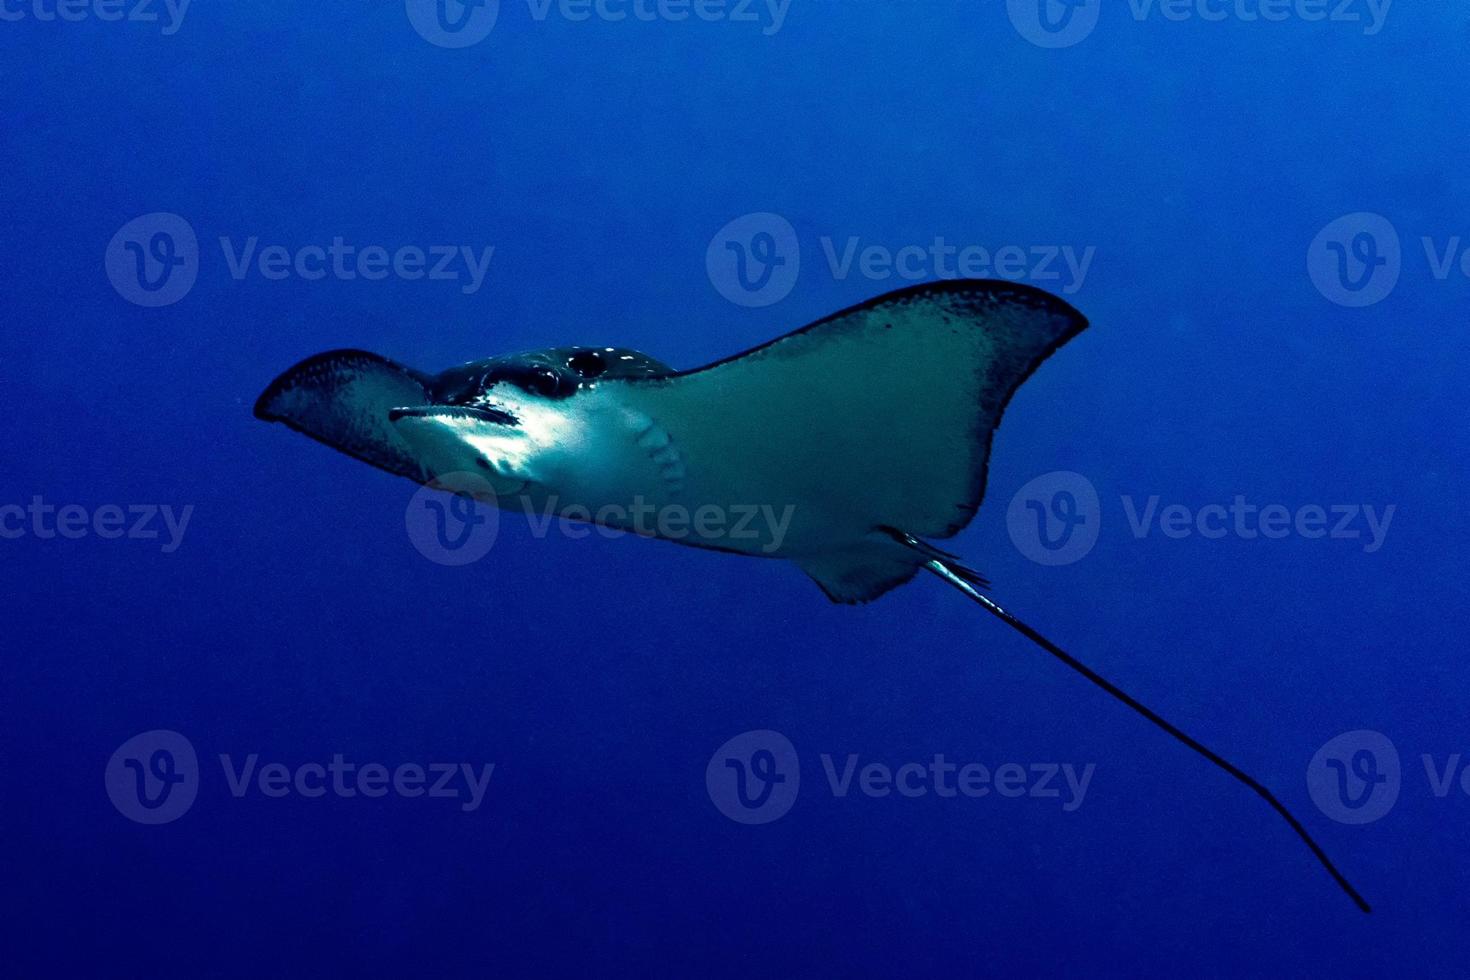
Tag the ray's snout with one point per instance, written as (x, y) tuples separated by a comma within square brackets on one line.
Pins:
[(448, 440), (491, 415)]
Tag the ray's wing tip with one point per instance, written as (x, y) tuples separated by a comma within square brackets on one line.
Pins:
[(988, 292), (1033, 297), (266, 406)]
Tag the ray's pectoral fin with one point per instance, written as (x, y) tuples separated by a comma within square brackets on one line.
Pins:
[(877, 417), (342, 398), (885, 561), (860, 573)]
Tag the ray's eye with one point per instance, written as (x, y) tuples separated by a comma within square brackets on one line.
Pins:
[(587, 363), (544, 382), (534, 379)]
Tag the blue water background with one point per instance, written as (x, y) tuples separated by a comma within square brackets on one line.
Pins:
[(296, 619)]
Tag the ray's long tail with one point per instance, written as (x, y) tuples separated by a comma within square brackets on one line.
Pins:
[(966, 581)]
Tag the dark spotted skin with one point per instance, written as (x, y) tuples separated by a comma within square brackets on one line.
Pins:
[(558, 372)]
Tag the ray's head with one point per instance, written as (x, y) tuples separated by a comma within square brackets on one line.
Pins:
[(507, 418)]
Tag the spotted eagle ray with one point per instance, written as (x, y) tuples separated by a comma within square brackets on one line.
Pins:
[(872, 428)]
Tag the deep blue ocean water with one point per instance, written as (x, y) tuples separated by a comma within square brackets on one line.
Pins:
[(1266, 216)]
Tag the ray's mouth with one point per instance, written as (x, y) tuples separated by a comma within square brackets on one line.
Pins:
[(492, 415)]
